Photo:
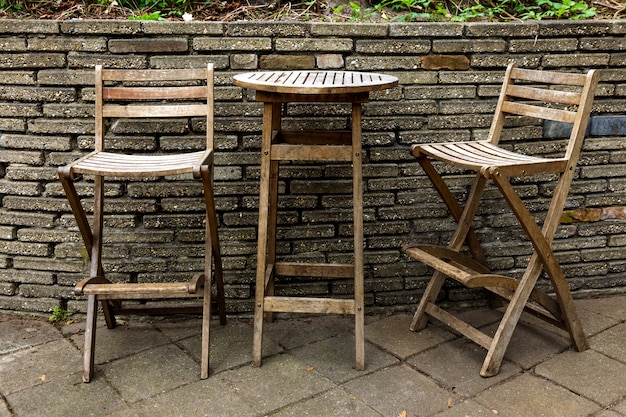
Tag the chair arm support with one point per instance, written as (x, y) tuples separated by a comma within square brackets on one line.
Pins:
[(204, 161), (80, 286)]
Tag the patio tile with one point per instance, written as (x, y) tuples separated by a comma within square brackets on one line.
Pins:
[(292, 333), (231, 346), (533, 343), (22, 332), (335, 358), (613, 306), (393, 335), (282, 380), (4, 409), (151, 372), (123, 340), (588, 373), (66, 397), (593, 323), (336, 402), (210, 397), (457, 365), (621, 407), (399, 388), (611, 342), (530, 396), (465, 409), (31, 367)]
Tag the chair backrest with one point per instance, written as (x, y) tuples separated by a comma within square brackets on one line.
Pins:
[(549, 95), (154, 94)]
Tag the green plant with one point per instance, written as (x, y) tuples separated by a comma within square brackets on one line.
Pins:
[(147, 16), (59, 314)]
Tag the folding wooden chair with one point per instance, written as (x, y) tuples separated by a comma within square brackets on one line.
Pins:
[(548, 95), (145, 94)]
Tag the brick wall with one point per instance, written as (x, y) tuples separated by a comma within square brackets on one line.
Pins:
[(449, 80)]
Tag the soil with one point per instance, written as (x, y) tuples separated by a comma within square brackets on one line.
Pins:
[(238, 10), (257, 10)]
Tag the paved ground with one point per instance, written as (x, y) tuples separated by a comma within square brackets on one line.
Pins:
[(151, 368)]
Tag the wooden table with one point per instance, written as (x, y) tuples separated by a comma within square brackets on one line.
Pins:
[(274, 89)]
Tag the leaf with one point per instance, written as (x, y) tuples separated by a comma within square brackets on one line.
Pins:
[(402, 414), (42, 378)]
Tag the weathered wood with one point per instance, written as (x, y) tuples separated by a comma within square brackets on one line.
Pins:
[(119, 103), (274, 89), (497, 164)]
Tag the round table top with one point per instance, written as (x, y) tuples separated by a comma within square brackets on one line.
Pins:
[(315, 82)]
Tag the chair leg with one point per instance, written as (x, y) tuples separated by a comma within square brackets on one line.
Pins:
[(464, 232), (90, 338), (212, 243)]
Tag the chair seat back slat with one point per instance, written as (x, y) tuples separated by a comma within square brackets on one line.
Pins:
[(542, 94), (156, 110), (539, 112), (154, 93)]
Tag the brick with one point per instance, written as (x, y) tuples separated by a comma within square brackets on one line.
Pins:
[(492, 60), (67, 43), (526, 28), (450, 62), (24, 248), (28, 277), (7, 288), (13, 44), (45, 291), (232, 44), (22, 202), (22, 157), (152, 45), (370, 30), (15, 61), (34, 94), (266, 29), (575, 60), (12, 125), (373, 63), (445, 46), (330, 61), (84, 60), (16, 141), (18, 77), (314, 45), (244, 61), (18, 109), (47, 264), (57, 126), (20, 188), (45, 305), (542, 45), (287, 62), (574, 28), (427, 29), (29, 26), (7, 232), (199, 61), (393, 46), (66, 77), (188, 28), (100, 27)]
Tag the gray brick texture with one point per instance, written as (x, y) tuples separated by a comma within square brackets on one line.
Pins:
[(450, 75)]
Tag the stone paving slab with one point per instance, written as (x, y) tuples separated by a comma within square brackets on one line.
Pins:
[(335, 358), (529, 396), (151, 372), (37, 365), (399, 389), (393, 335), (280, 381), (590, 374), (150, 368), (457, 364), (66, 396)]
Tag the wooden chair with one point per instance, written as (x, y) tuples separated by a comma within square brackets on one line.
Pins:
[(548, 95), (145, 94)]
